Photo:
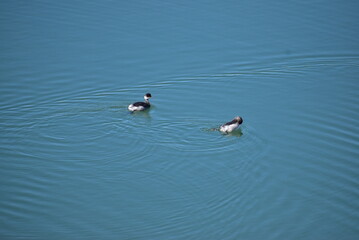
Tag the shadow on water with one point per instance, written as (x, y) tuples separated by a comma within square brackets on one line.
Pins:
[(235, 133), (145, 113), (123, 109)]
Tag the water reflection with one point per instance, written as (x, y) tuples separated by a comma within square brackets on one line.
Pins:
[(145, 113), (235, 133)]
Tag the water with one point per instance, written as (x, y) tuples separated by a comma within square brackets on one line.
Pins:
[(75, 164)]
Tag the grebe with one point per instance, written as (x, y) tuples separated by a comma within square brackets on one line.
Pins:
[(140, 106), (230, 126)]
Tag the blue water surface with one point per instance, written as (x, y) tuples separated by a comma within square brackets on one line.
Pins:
[(75, 164)]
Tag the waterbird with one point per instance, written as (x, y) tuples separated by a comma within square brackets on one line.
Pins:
[(140, 106), (231, 126)]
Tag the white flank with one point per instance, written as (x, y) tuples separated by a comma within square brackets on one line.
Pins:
[(134, 108), (228, 128)]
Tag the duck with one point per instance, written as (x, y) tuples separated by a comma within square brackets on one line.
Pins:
[(141, 106), (232, 125)]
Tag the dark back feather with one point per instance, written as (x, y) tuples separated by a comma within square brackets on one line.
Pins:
[(143, 104), (230, 123)]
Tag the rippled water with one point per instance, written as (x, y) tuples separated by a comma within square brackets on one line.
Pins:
[(75, 164)]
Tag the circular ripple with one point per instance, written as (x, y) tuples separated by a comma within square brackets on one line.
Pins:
[(191, 135)]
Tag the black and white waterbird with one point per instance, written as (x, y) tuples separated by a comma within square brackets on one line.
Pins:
[(231, 126), (140, 106)]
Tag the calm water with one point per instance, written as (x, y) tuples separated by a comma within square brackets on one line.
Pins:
[(75, 164)]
